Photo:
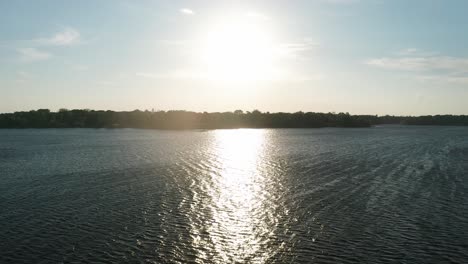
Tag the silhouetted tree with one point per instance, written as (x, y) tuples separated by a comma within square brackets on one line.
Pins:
[(179, 119)]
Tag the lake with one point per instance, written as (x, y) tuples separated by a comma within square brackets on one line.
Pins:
[(390, 194)]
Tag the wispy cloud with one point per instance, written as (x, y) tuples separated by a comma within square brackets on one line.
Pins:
[(67, 37), (427, 66), (31, 50), (187, 11), (444, 79), (421, 63), (415, 52), (32, 54), (296, 49)]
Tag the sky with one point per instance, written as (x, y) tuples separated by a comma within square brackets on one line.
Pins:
[(359, 56)]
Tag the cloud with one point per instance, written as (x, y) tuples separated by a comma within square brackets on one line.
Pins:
[(296, 49), (187, 11), (444, 79), (414, 52), (428, 66), (32, 54), (421, 63), (67, 37)]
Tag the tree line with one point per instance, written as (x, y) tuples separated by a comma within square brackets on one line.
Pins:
[(178, 119)]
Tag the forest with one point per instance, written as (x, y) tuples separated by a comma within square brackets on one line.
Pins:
[(179, 119)]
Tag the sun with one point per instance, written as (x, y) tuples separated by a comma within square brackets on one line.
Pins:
[(237, 50)]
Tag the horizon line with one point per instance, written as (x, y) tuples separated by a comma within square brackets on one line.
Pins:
[(232, 111)]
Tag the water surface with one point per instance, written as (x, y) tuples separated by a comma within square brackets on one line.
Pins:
[(372, 195)]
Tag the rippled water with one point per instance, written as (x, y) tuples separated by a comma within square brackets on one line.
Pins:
[(371, 195)]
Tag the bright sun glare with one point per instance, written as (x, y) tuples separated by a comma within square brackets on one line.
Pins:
[(238, 50)]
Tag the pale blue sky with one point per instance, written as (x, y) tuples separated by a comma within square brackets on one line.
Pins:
[(357, 56)]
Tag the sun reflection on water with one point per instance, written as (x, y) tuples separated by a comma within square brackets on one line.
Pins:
[(236, 225), (235, 196)]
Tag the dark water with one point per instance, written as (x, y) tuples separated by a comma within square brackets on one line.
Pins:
[(375, 195)]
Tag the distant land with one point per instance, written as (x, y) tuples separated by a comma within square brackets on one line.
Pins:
[(179, 119)]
